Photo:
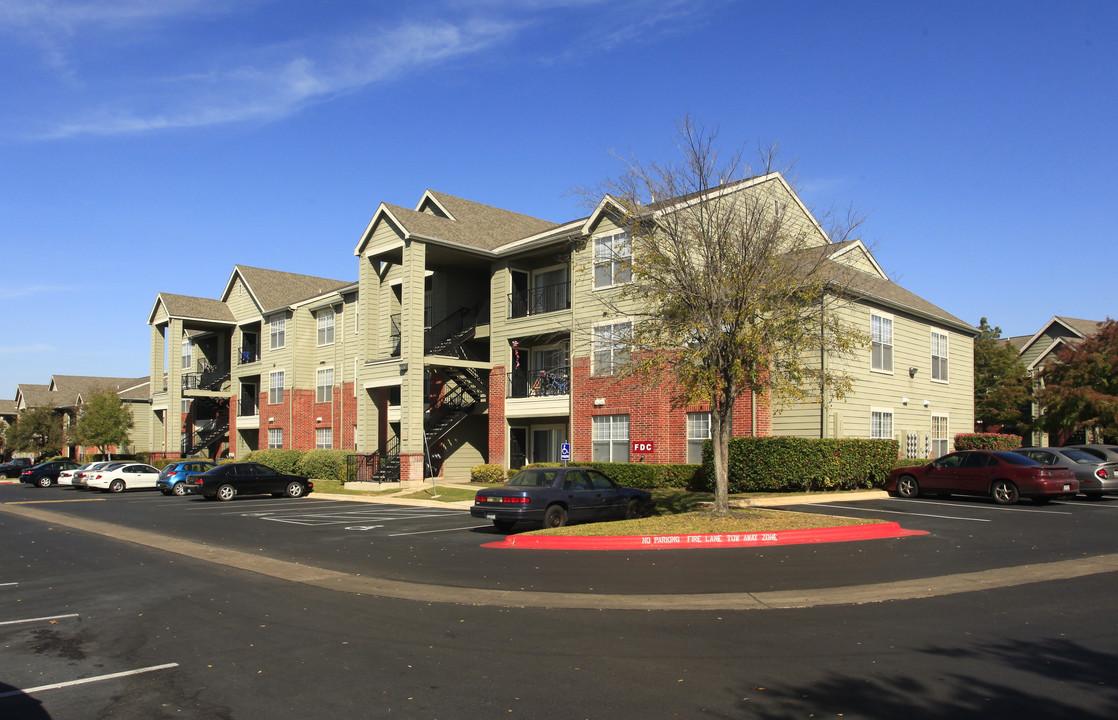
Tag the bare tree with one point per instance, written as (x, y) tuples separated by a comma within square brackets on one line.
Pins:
[(732, 290)]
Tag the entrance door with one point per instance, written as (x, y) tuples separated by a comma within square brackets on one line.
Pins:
[(518, 444), (547, 441)]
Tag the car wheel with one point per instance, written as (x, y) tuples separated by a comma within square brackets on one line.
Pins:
[(907, 487), (1004, 492), (555, 516), (44, 482), (165, 491), (633, 510), (178, 489), (504, 525), (116, 486), (226, 492), (294, 490)]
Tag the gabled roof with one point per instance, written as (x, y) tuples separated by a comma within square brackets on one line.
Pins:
[(890, 293), (32, 396), (73, 390), (1076, 330), (274, 289), (445, 218), (8, 408), (186, 307)]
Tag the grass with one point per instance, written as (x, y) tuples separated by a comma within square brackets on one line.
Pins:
[(442, 494), (753, 520)]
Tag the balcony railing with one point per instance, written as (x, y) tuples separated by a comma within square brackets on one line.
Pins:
[(248, 407), (394, 335), (248, 354), (524, 383), (543, 299)]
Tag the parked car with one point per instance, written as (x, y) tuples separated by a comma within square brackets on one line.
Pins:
[(555, 496), (46, 474), (171, 478), (1004, 476), (1096, 477), (66, 477), (1104, 452), (225, 482), (14, 467), (80, 478), (126, 476)]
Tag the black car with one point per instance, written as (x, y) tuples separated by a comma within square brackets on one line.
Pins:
[(14, 467), (46, 474), (555, 496), (225, 482)]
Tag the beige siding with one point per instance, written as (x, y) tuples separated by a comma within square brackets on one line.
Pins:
[(240, 302)]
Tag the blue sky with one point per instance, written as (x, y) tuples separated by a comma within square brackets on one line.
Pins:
[(150, 145)]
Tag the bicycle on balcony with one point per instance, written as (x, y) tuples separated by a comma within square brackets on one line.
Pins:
[(549, 383)]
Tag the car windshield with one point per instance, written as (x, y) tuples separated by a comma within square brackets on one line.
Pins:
[(1080, 457), (533, 478), (1015, 458)]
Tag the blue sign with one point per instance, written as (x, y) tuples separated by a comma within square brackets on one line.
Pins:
[(565, 452)]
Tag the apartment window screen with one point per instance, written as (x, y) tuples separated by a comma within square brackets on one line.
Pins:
[(278, 335), (881, 424), (881, 353), (326, 327), (275, 387), (324, 438), (324, 385), (613, 260), (611, 438), (939, 436), (698, 430), (939, 356), (609, 347), (275, 438)]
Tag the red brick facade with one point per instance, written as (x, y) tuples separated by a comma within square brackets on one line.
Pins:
[(298, 416)]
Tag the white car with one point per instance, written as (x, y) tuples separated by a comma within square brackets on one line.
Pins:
[(130, 476), (66, 477), (81, 476)]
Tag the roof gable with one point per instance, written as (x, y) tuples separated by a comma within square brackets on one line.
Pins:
[(186, 307), (274, 289)]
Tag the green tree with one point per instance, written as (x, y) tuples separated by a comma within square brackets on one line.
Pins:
[(1080, 389), (37, 431), (104, 422), (1003, 391), (732, 292)]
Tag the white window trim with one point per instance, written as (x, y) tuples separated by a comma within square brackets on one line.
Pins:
[(333, 384), (594, 260), (892, 422), (321, 430), (321, 315), (892, 342), (271, 333), (947, 430), (270, 388), (270, 445), (595, 371), (932, 354)]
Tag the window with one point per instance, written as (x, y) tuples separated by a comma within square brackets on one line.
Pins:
[(939, 436), (326, 327), (279, 332), (324, 438), (611, 438), (881, 424), (275, 438), (186, 405), (613, 260), (939, 356), (881, 332), (275, 387), (698, 430), (187, 354), (324, 385), (609, 351)]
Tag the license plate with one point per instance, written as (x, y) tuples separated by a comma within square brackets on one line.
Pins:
[(1067, 487), (490, 516)]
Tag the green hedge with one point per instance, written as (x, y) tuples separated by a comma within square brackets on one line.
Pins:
[(644, 475), (489, 473), (987, 441), (802, 464), (282, 461), (324, 464)]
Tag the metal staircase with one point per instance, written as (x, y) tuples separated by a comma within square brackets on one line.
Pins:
[(210, 432)]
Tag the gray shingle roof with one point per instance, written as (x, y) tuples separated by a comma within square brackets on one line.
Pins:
[(474, 224), (196, 308), (68, 388), (1084, 327), (275, 289)]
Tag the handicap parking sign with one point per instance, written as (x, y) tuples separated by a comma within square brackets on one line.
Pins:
[(565, 452)]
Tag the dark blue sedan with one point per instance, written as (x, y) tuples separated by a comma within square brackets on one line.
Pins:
[(555, 496)]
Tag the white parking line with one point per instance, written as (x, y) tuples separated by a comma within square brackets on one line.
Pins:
[(893, 512), (8, 584), (425, 532), (99, 678), (322, 519), (1003, 508), (38, 619)]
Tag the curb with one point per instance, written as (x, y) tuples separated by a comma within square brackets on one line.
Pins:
[(845, 533)]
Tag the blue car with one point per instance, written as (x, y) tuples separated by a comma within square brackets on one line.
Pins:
[(171, 477), (555, 496)]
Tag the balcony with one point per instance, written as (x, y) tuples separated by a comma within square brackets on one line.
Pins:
[(540, 300), (523, 383), (248, 354)]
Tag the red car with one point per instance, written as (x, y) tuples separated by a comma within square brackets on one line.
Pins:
[(1004, 476)]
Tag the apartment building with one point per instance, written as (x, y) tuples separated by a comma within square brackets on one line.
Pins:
[(269, 363)]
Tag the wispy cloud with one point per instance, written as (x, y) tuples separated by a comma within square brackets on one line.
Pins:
[(8, 293), (25, 349)]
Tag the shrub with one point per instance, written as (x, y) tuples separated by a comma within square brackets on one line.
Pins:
[(987, 441), (911, 462), (804, 464), (642, 475), (323, 464), (282, 461), (489, 473)]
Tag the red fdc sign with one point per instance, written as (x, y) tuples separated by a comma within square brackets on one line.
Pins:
[(643, 446)]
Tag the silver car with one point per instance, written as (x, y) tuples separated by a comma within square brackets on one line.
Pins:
[(1096, 476)]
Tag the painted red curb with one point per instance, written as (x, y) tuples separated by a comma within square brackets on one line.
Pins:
[(845, 533)]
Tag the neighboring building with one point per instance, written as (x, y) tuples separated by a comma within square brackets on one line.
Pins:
[(66, 394), (8, 413), (270, 363), (1039, 349)]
